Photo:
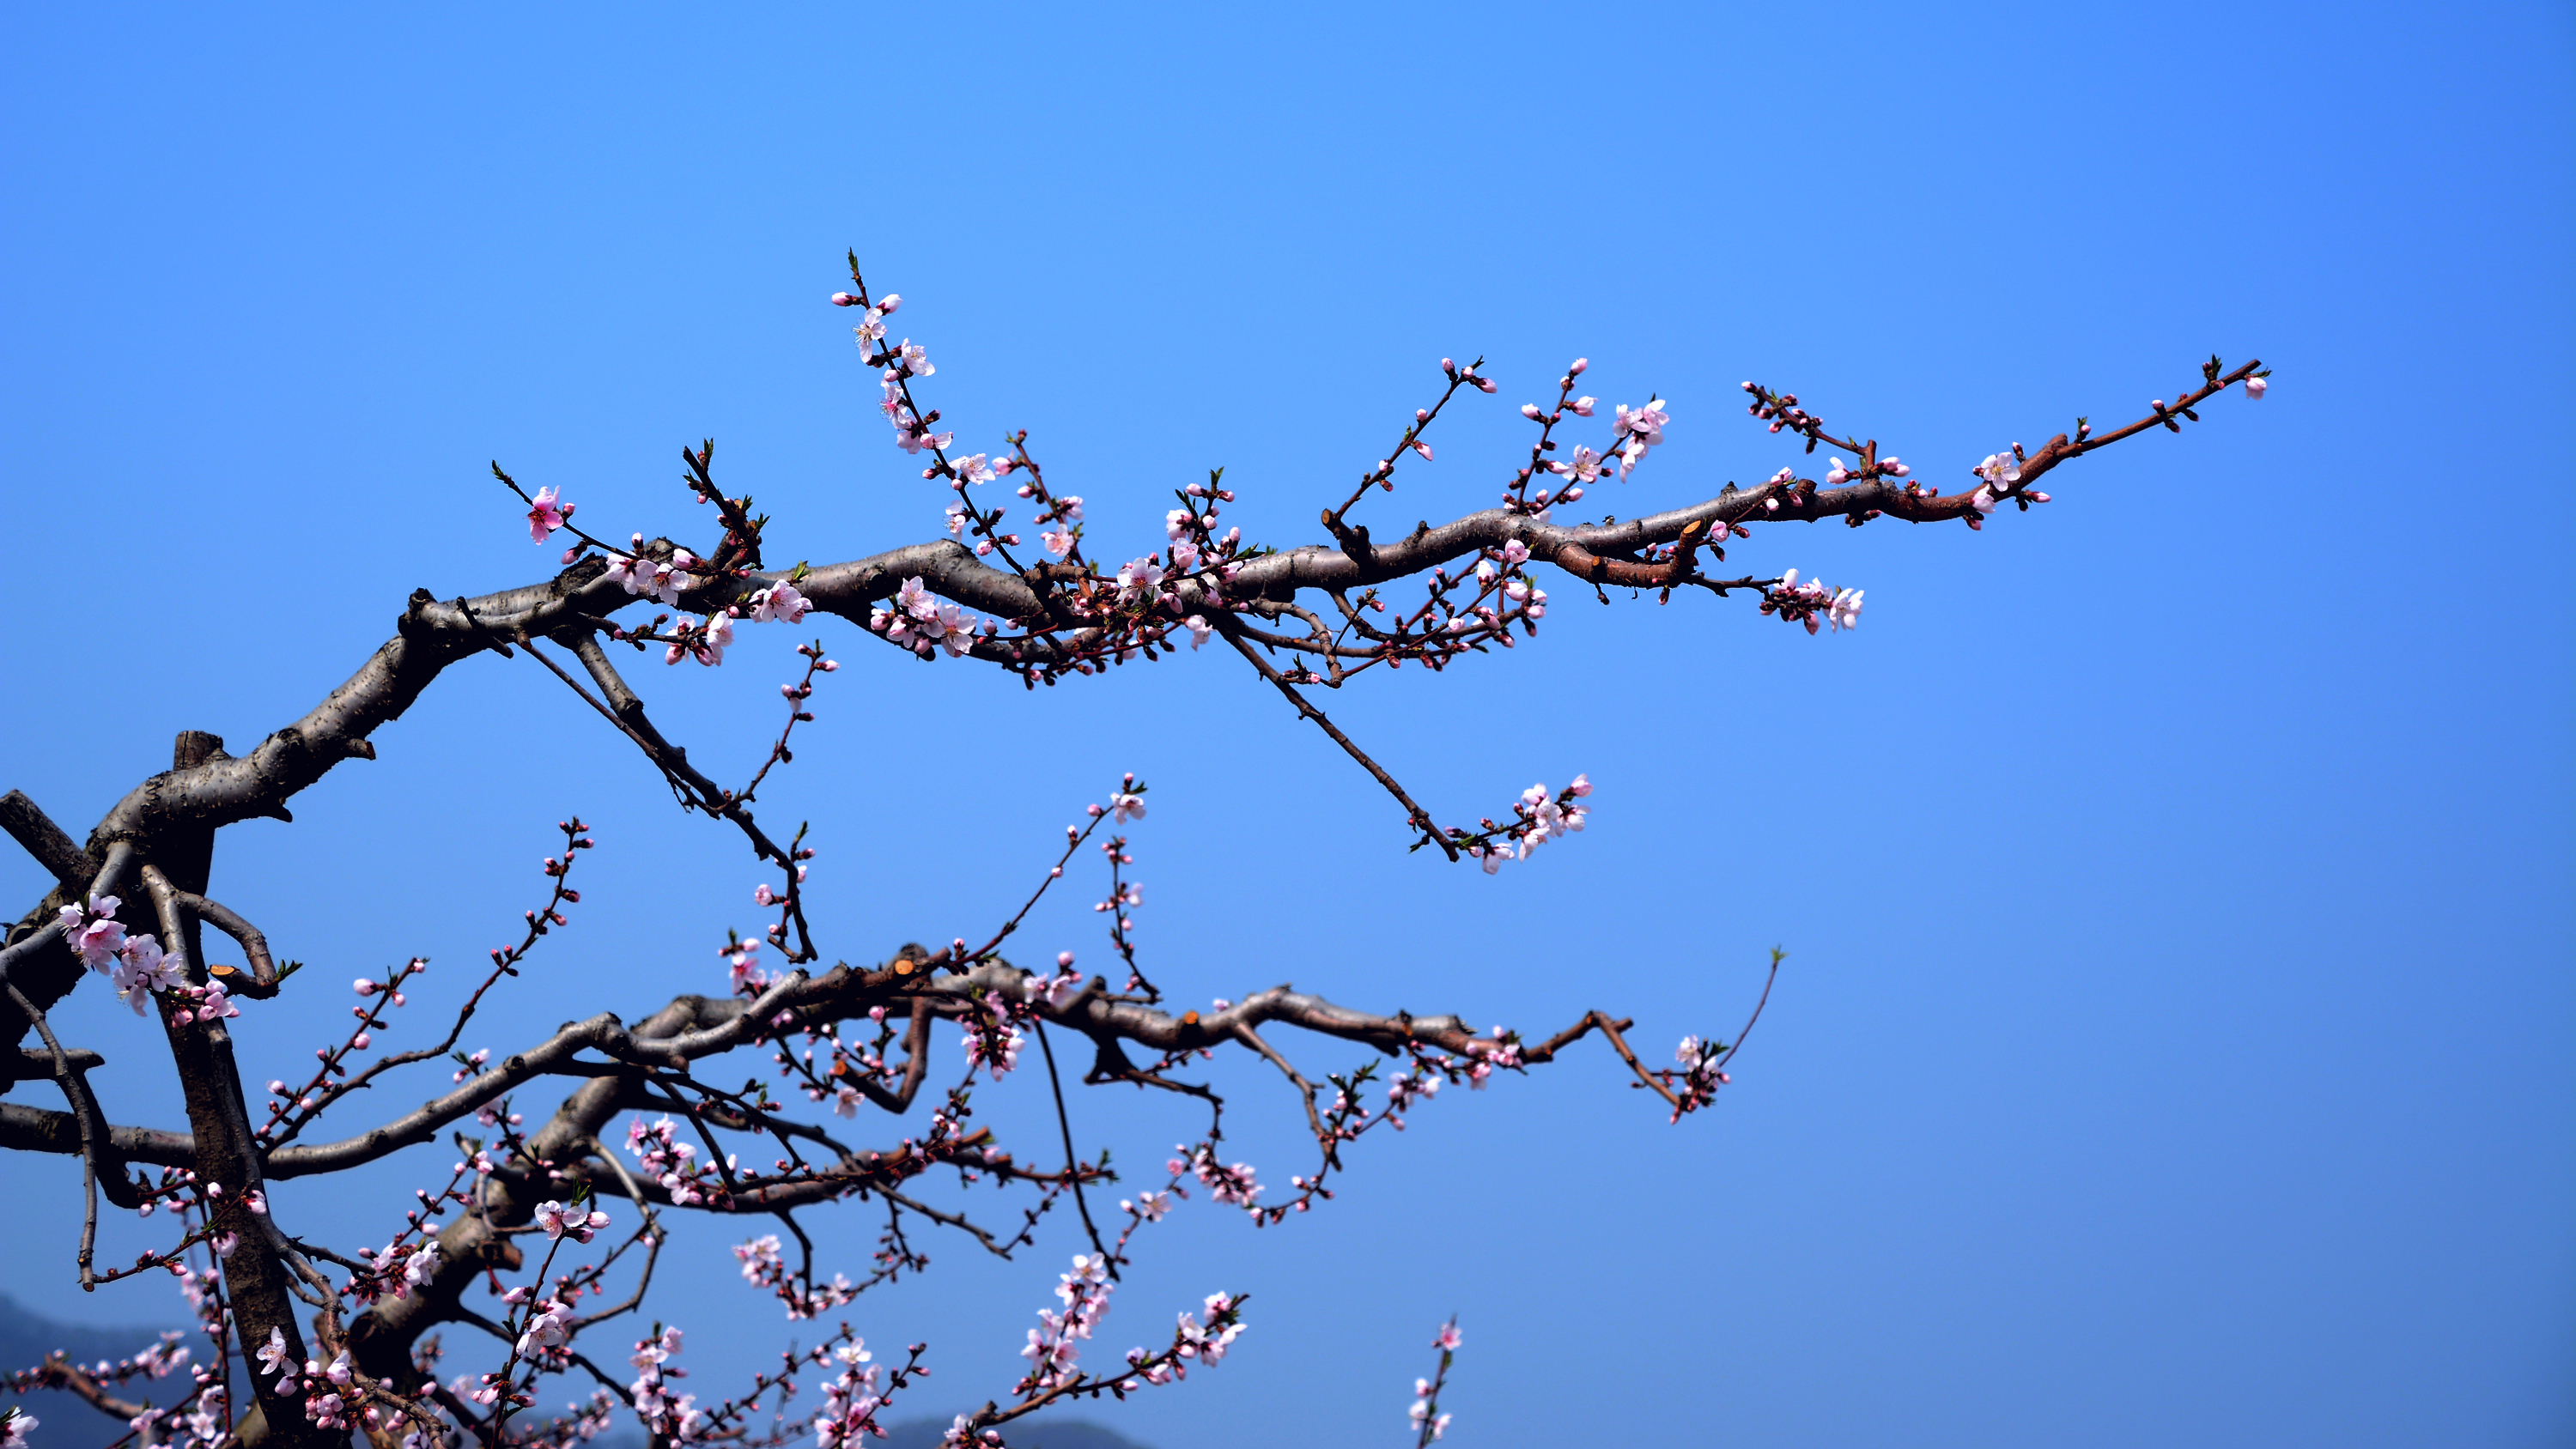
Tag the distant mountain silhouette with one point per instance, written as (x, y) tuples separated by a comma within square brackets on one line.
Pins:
[(1035, 1434), (26, 1336)]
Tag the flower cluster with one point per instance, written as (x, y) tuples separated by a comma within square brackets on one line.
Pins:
[(1205, 1338), (1639, 430), (135, 965), (764, 1267), (1813, 603), (663, 579), (1428, 1422), (320, 1383), (557, 1220), (993, 1037), (397, 1271), (1051, 1350), (1538, 817), (674, 1415), (1700, 1076), (850, 1400), (1235, 1185), (672, 1162), (925, 623), (906, 359)]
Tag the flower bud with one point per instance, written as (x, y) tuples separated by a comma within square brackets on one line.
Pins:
[(844, 299)]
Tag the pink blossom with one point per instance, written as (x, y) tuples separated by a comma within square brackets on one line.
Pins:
[(911, 435), (1583, 467), (719, 634), (1646, 422), (274, 1356), (144, 968), (779, 603), (1845, 612), (546, 515), (1058, 543), (1199, 629), (2255, 387), (1138, 574), (557, 1220), (547, 1329), (92, 933), (667, 580), (1583, 406)]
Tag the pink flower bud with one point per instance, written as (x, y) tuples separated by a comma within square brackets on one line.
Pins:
[(844, 299), (2255, 387), (1580, 363)]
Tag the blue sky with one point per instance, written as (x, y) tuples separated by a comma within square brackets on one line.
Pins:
[(2175, 1037)]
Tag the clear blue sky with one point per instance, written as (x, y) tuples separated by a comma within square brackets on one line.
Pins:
[(2175, 1045)]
